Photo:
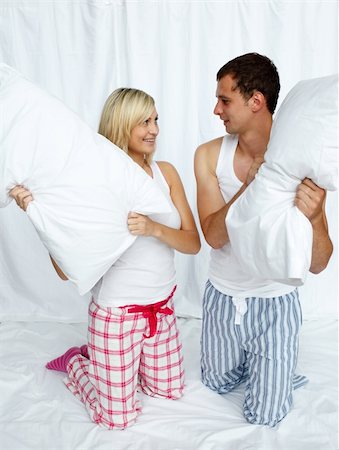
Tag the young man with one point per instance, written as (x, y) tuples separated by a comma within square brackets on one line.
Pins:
[(250, 326)]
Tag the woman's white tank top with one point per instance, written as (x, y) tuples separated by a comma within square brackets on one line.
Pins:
[(145, 273), (225, 272)]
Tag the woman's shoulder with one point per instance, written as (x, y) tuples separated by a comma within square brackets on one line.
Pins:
[(165, 166), (169, 171)]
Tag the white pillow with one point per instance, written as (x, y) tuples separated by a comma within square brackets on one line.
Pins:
[(269, 235), (83, 186)]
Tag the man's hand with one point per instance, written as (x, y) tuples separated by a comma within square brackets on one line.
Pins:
[(22, 196), (310, 199)]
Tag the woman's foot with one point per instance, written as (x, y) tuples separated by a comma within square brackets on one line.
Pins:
[(61, 362), (84, 351)]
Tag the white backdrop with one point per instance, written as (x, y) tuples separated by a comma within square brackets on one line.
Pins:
[(82, 50)]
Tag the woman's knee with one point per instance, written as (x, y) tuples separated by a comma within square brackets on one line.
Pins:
[(112, 420), (170, 388)]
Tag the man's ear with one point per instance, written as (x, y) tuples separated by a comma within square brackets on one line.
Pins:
[(257, 101)]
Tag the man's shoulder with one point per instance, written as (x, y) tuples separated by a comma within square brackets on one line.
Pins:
[(208, 152), (206, 156), (210, 146)]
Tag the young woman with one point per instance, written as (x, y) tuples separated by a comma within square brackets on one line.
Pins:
[(132, 333)]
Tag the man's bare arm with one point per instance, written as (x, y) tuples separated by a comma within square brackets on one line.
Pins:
[(310, 199), (212, 207)]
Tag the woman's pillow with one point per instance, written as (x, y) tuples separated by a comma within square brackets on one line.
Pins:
[(83, 186)]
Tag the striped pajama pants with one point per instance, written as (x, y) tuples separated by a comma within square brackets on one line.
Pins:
[(262, 351), (123, 357)]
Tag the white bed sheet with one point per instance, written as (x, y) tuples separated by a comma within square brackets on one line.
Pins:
[(38, 412)]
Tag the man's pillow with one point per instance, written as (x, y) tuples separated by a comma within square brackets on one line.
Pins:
[(269, 235), (83, 186)]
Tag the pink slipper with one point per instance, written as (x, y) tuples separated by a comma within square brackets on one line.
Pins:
[(61, 362), (84, 351)]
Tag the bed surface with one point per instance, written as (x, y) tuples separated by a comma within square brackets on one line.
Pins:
[(38, 412)]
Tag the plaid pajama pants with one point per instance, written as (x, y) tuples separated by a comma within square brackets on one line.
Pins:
[(129, 347)]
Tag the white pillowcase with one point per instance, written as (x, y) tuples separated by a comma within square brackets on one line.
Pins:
[(269, 235), (83, 186)]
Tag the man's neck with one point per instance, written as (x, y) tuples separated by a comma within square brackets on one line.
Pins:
[(254, 142)]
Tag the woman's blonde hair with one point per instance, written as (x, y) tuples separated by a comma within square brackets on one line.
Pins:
[(124, 109)]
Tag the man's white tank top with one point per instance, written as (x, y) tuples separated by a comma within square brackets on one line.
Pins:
[(225, 272), (145, 273)]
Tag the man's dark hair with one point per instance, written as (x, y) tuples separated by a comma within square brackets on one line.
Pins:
[(253, 72)]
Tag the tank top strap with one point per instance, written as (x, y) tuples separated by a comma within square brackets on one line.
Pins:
[(226, 155), (228, 182), (159, 178)]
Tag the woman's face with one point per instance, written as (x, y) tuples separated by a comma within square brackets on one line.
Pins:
[(143, 136)]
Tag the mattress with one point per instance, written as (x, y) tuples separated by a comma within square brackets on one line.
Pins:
[(38, 412)]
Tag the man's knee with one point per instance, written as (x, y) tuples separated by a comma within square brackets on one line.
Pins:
[(260, 418), (266, 409), (220, 383)]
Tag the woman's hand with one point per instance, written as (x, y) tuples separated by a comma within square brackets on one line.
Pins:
[(140, 225), (22, 196)]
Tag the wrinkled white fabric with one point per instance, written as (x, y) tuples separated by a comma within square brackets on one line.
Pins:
[(83, 186), (270, 236), (36, 406)]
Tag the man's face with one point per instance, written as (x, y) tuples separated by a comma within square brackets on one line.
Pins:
[(231, 106)]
